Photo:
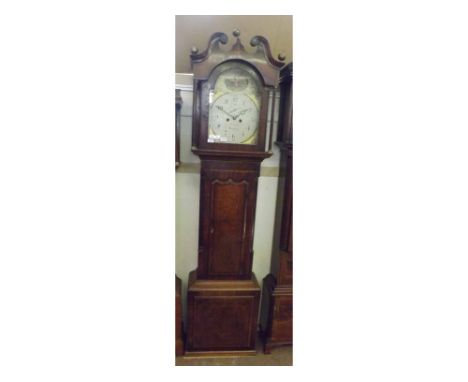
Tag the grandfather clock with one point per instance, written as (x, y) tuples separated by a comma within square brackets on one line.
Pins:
[(276, 311), (232, 90)]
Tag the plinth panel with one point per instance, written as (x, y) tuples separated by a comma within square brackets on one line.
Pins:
[(222, 315), (222, 320), (277, 314)]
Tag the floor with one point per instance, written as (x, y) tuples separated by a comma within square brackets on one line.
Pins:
[(280, 356)]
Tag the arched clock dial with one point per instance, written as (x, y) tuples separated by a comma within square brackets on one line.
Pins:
[(234, 105)]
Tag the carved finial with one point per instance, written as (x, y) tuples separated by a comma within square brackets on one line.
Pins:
[(281, 56), (236, 32), (213, 45), (263, 47)]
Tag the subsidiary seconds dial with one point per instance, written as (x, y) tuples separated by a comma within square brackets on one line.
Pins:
[(233, 119)]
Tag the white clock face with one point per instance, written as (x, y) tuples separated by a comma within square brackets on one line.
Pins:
[(234, 106), (233, 118)]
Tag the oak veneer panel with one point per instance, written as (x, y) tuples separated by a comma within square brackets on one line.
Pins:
[(228, 215), (221, 320), (277, 314), (282, 325), (285, 274), (222, 316)]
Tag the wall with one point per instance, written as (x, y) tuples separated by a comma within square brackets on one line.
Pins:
[(187, 199)]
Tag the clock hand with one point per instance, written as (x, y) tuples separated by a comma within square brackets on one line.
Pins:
[(224, 111), (240, 113)]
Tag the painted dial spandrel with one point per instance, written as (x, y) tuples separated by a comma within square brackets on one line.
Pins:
[(234, 106)]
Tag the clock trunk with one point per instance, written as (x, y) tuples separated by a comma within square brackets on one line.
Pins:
[(227, 214)]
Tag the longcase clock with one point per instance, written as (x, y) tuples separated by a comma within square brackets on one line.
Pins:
[(231, 135), (277, 295)]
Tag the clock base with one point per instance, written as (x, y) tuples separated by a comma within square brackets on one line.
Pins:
[(276, 317), (222, 316)]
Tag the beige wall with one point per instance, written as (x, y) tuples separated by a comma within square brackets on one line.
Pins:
[(196, 30)]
